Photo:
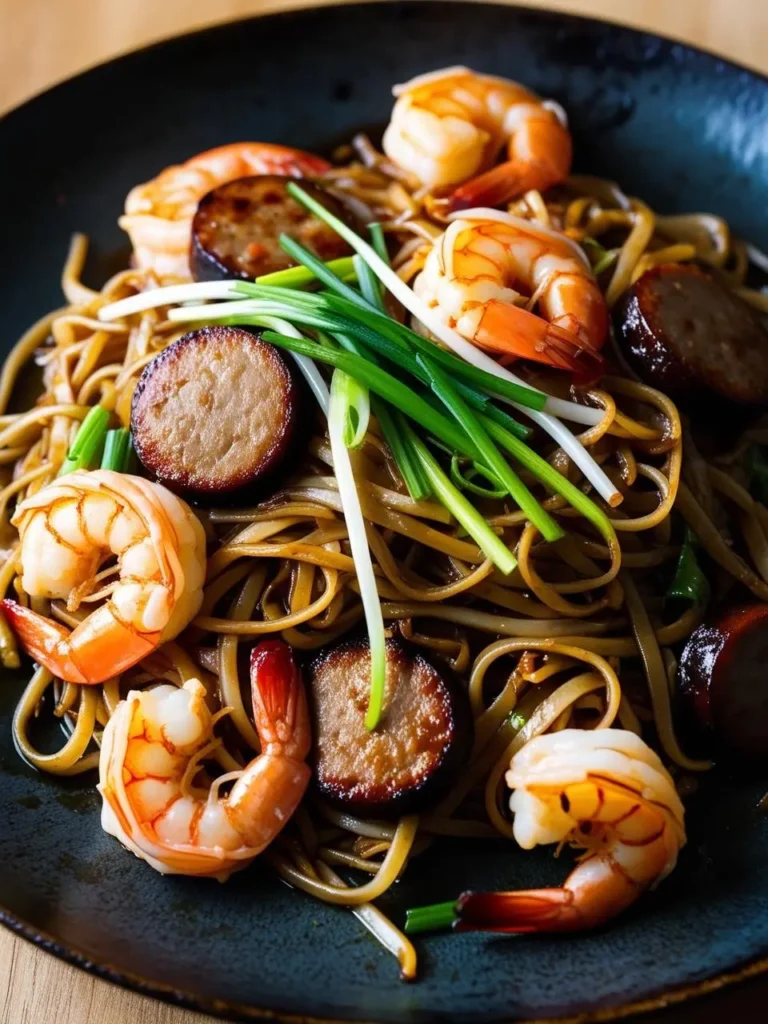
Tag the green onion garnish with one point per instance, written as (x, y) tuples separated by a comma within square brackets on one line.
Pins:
[(491, 457), (357, 409), (449, 337), (358, 542), (689, 582), (603, 258), (85, 451), (436, 917), (385, 385), (323, 272), (118, 451), (550, 477), (463, 511), (468, 483), (298, 277)]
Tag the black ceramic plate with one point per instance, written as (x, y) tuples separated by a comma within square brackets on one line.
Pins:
[(684, 130)]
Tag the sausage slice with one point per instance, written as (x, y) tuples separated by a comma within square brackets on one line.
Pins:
[(723, 679), (686, 333), (237, 227), (216, 413), (415, 754)]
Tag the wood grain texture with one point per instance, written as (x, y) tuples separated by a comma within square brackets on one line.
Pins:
[(44, 41)]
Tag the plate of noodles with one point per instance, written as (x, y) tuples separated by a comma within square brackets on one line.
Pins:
[(383, 532)]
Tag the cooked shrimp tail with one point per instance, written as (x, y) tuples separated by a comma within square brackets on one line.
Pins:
[(279, 776), (514, 331), (582, 903), (79, 655), (605, 792), (539, 157), (150, 758)]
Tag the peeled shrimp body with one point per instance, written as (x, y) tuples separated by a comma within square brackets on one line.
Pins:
[(604, 791), (450, 125), (149, 759), (67, 530), (484, 265), (158, 214)]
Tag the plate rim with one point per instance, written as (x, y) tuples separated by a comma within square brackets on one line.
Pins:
[(753, 967)]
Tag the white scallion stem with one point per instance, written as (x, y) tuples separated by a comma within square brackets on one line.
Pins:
[(358, 542), (168, 296)]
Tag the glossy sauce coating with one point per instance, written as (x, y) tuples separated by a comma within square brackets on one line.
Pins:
[(723, 676), (684, 332)]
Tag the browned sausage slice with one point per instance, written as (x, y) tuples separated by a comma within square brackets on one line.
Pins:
[(237, 227), (216, 413), (687, 334), (418, 749), (723, 679)]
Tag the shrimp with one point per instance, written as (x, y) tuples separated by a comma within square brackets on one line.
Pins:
[(449, 125), (604, 791), (473, 278), (73, 525), (150, 754), (158, 214)]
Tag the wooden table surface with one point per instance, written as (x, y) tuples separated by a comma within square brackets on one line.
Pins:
[(44, 41)]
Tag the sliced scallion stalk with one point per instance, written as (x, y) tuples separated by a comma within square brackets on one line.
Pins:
[(203, 291), (357, 408), (358, 542), (436, 917), (118, 451), (385, 385), (85, 451), (597, 477), (463, 511), (467, 483), (490, 454), (550, 477)]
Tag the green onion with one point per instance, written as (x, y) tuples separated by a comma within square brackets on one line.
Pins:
[(118, 451), (379, 242), (407, 461), (466, 483), (551, 478), (443, 388), (506, 421), (458, 367), (385, 385), (356, 409), (358, 542), (85, 451), (436, 917), (453, 340), (689, 582), (322, 271), (369, 283), (490, 544), (297, 277), (604, 258)]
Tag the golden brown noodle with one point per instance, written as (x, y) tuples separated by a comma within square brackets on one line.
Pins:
[(546, 645)]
